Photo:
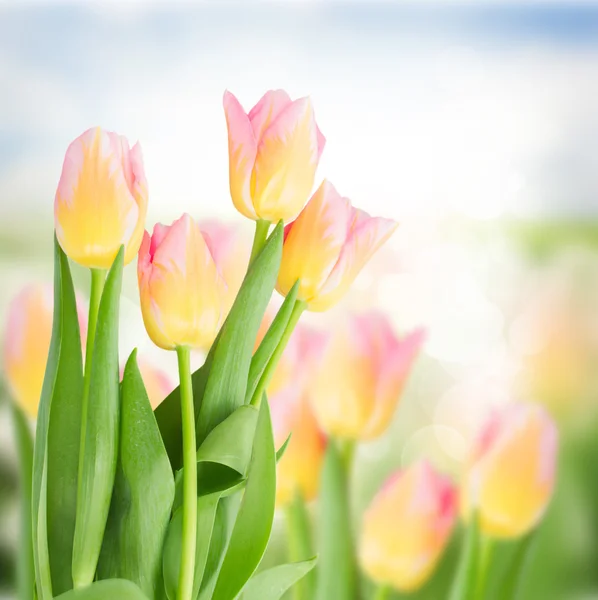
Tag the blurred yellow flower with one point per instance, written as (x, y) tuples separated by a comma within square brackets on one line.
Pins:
[(181, 290), (101, 201), (27, 342), (509, 477), (361, 376), (327, 246), (274, 151), (407, 527)]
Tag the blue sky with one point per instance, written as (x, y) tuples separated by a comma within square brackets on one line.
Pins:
[(494, 103)]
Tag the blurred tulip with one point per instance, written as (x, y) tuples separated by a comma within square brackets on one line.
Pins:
[(407, 527), (181, 290), (299, 468), (361, 376), (230, 250), (510, 475), (273, 155), (327, 246), (27, 342), (101, 201)]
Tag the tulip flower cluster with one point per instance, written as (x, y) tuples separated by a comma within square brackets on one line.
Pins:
[(139, 490)]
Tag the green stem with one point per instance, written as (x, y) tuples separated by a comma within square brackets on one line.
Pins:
[(299, 543), (189, 536), (298, 309), (382, 592), (259, 239), (98, 277), (24, 443), (486, 551)]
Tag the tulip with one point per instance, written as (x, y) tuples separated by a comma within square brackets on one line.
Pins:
[(230, 249), (27, 343), (361, 376), (299, 468), (407, 527), (180, 287), (509, 477), (327, 246), (101, 201), (273, 155)]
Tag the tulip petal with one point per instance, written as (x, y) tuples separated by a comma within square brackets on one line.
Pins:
[(366, 236), (242, 148), (95, 212), (272, 103), (314, 241), (286, 162)]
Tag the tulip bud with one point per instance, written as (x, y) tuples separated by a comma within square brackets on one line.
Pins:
[(361, 376), (510, 474), (180, 287), (231, 250), (299, 468), (273, 155), (101, 201), (27, 343), (327, 246), (407, 527)]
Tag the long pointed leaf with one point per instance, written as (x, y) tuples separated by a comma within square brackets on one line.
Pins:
[(101, 433), (465, 581), (227, 381), (114, 589), (254, 521), (270, 342), (273, 583), (62, 370), (143, 493)]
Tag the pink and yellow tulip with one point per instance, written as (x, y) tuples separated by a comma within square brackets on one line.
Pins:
[(101, 201), (181, 289), (274, 151), (509, 477), (327, 246), (27, 341), (407, 527), (361, 376)]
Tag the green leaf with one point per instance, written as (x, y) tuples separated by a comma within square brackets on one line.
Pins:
[(206, 516), (465, 581), (114, 589), (270, 342), (218, 545), (512, 581), (253, 526), (24, 441), (336, 565), (62, 379), (143, 493), (273, 583), (280, 452), (101, 433), (300, 542), (227, 380)]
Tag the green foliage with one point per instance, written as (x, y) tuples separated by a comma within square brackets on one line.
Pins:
[(336, 568), (253, 525), (273, 583), (143, 493), (465, 581), (115, 589), (62, 384), (100, 451)]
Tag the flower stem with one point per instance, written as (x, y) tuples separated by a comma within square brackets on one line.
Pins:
[(189, 536), (382, 592), (298, 309), (24, 442), (299, 543), (486, 551), (98, 277), (259, 239)]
